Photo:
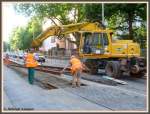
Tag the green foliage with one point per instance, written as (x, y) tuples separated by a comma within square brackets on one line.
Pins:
[(6, 46), (93, 12), (21, 37), (141, 35), (120, 17), (53, 11), (61, 12), (118, 12)]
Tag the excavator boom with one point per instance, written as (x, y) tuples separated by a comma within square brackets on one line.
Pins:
[(63, 30)]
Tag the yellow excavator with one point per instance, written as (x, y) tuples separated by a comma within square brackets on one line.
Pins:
[(98, 50)]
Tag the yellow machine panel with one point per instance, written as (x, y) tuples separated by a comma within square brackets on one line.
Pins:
[(134, 49), (126, 49), (119, 49)]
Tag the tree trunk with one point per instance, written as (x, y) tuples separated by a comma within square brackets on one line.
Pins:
[(130, 20)]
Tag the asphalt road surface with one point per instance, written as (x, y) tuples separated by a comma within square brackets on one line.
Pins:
[(92, 96)]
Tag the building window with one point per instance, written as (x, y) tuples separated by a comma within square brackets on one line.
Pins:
[(52, 40)]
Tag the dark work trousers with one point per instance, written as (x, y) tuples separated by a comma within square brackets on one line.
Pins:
[(31, 75)]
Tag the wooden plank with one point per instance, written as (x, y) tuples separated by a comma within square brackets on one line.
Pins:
[(116, 80)]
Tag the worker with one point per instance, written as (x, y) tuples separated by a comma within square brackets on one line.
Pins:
[(6, 60), (30, 63), (76, 69)]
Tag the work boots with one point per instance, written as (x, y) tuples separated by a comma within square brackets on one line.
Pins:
[(77, 84), (73, 85)]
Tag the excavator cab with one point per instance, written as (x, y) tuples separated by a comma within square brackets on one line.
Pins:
[(93, 42)]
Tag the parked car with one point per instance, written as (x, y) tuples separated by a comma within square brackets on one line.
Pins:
[(40, 58), (20, 55)]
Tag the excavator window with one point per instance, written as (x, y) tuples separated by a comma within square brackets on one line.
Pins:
[(94, 41), (100, 39), (87, 43)]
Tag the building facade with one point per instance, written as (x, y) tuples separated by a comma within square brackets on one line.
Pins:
[(54, 46)]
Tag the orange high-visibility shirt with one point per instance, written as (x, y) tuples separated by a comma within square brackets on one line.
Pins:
[(30, 61), (75, 65)]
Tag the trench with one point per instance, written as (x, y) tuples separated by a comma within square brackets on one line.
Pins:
[(45, 80)]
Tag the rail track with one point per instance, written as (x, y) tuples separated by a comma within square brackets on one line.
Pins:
[(43, 68), (57, 71), (48, 69), (46, 82)]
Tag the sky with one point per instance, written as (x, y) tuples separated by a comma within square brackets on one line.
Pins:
[(10, 20)]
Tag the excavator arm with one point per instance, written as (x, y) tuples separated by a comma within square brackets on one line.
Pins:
[(63, 30)]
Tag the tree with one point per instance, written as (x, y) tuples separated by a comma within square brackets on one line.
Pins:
[(127, 14), (119, 17), (61, 12), (141, 35), (6, 46), (21, 37), (14, 39), (64, 13), (93, 12), (132, 13)]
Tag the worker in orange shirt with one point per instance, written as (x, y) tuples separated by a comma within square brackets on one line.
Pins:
[(76, 69), (30, 63)]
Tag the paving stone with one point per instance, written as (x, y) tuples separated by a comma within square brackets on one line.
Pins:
[(6, 100), (112, 98), (24, 95), (94, 96)]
